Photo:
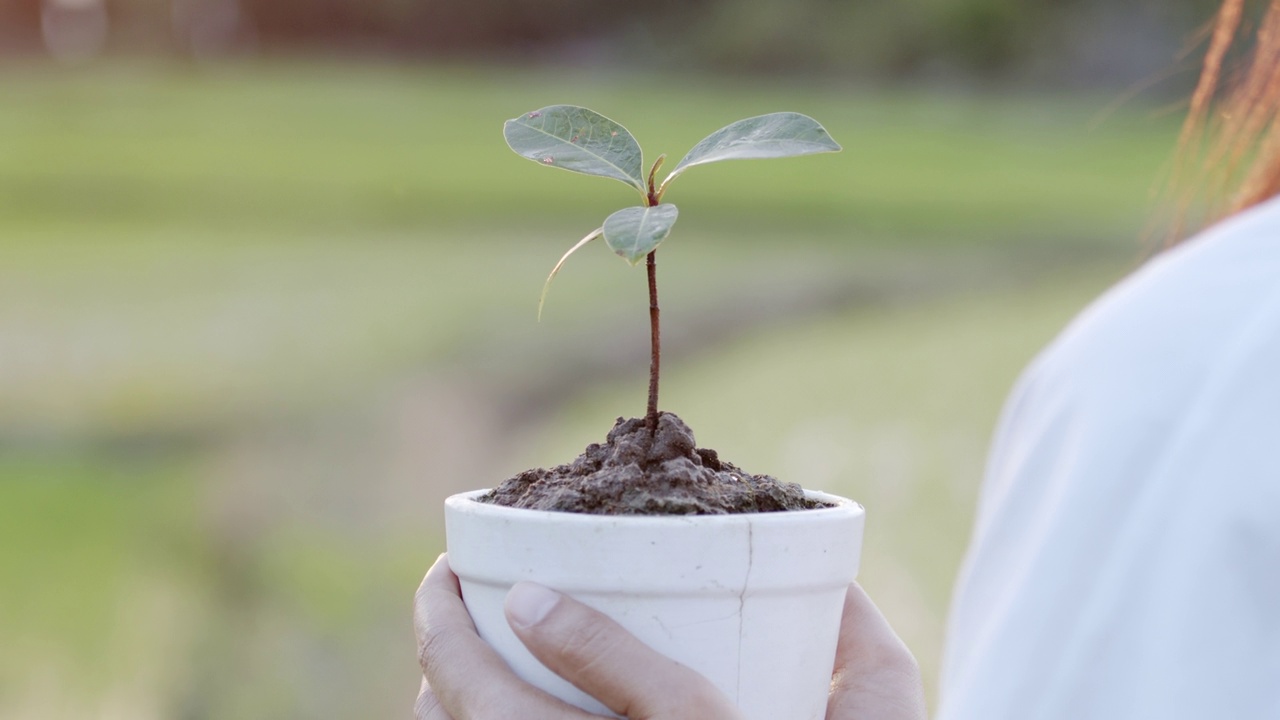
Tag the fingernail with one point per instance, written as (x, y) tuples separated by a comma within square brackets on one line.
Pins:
[(528, 603)]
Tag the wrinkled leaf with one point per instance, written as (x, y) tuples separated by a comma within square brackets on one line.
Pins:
[(575, 138), (784, 134), (547, 285), (635, 231)]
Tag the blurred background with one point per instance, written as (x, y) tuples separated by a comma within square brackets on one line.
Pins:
[(269, 275)]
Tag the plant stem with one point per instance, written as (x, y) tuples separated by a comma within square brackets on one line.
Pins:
[(655, 344), (655, 335)]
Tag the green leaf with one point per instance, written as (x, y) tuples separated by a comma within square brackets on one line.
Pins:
[(784, 134), (635, 231), (575, 138), (547, 285)]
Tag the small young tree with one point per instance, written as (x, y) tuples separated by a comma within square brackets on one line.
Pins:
[(583, 141)]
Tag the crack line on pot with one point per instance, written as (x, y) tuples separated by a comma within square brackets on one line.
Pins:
[(742, 604), (665, 629)]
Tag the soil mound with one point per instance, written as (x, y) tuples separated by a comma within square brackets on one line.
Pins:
[(636, 472)]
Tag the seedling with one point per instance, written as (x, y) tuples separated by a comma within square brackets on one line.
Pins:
[(583, 141)]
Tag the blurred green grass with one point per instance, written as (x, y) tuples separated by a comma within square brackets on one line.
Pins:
[(298, 148), (193, 256), (184, 247), (82, 538)]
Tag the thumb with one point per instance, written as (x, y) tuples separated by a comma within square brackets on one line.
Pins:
[(604, 660)]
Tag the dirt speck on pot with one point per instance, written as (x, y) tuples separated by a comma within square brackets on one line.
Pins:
[(638, 473)]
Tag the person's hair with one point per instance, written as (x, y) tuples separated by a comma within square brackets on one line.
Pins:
[(1229, 149)]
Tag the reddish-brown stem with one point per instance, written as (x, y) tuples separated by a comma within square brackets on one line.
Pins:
[(655, 336), (655, 344)]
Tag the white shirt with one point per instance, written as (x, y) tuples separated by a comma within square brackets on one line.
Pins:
[(1126, 558)]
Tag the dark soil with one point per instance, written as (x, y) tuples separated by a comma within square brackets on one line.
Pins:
[(638, 473)]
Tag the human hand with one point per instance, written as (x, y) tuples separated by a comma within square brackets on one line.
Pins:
[(875, 677), (464, 678)]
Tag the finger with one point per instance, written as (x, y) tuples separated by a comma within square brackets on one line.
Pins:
[(875, 674), (466, 677), (605, 661), (428, 707)]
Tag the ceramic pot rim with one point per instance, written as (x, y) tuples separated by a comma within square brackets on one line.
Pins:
[(839, 507)]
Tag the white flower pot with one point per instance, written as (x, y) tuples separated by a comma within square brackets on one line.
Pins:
[(751, 601)]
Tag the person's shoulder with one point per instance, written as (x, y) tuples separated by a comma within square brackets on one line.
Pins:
[(1178, 318), (1126, 538)]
